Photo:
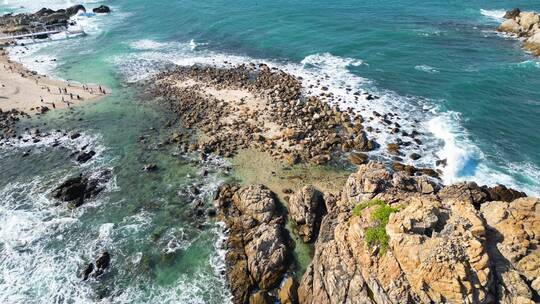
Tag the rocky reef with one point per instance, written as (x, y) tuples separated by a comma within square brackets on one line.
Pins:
[(525, 25), (31, 22), (224, 110), (386, 237)]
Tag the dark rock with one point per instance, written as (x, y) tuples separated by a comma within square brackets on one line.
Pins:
[(150, 168), (513, 13), (102, 9), (73, 10), (74, 190), (415, 156), (89, 269), (85, 156)]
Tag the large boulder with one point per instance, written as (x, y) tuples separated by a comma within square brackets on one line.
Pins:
[(258, 254), (267, 255), (532, 44), (510, 26), (305, 209)]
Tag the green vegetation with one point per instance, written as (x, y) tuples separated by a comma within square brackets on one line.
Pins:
[(376, 236), (363, 205)]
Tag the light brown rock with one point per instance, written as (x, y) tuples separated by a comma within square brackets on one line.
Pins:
[(305, 209)]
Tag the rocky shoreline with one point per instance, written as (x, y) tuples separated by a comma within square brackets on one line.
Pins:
[(223, 110), (524, 25), (393, 234), (385, 238)]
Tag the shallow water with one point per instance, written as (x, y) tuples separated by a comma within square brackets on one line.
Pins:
[(438, 66)]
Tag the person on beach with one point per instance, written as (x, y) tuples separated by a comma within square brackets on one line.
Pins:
[(71, 95), (53, 105)]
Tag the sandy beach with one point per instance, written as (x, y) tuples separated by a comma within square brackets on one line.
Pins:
[(32, 93)]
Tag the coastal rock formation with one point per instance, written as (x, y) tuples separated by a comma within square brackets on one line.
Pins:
[(262, 107), (76, 189), (26, 23), (98, 268), (257, 246), (393, 238), (251, 106), (8, 120), (305, 209), (102, 9), (525, 25), (513, 229)]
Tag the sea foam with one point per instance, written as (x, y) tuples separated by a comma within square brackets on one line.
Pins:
[(494, 14)]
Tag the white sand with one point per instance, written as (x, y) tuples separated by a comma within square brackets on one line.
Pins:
[(21, 90)]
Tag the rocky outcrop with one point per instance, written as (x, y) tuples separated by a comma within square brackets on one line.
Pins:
[(394, 238), (102, 9), (513, 231), (525, 25), (98, 268), (77, 189), (257, 107), (25, 23), (305, 209), (258, 252)]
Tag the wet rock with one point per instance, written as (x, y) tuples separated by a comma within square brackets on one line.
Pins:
[(102, 9), (76, 189), (150, 167), (83, 157), (415, 156), (98, 268), (73, 10)]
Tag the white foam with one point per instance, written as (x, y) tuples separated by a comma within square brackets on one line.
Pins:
[(426, 68), (494, 14)]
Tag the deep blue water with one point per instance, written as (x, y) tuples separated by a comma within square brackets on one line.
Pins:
[(438, 65)]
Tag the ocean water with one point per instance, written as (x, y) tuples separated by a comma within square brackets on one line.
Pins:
[(438, 67)]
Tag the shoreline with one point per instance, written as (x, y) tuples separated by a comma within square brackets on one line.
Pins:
[(27, 91)]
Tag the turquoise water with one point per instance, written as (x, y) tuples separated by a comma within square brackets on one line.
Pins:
[(438, 66)]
